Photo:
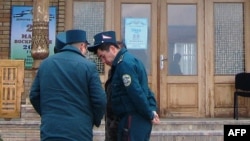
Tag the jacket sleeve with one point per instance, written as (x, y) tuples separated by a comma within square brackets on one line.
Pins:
[(137, 94), (152, 101), (35, 94), (97, 97)]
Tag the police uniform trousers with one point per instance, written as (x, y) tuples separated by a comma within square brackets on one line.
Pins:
[(134, 127)]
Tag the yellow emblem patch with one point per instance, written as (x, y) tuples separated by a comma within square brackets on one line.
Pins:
[(126, 79)]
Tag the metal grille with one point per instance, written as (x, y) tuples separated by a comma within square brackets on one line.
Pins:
[(229, 43), (89, 16)]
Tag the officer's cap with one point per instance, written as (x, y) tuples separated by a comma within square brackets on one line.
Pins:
[(75, 36), (103, 37)]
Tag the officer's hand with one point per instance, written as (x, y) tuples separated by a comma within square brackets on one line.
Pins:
[(156, 119)]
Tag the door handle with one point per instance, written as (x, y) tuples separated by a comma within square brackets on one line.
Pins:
[(162, 59)]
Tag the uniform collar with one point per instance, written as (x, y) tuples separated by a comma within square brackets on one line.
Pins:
[(119, 56), (71, 49)]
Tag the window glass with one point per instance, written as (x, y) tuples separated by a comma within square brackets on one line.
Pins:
[(229, 38), (182, 38)]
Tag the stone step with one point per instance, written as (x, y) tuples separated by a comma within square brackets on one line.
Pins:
[(169, 130), (165, 125), (99, 135), (193, 124), (29, 114)]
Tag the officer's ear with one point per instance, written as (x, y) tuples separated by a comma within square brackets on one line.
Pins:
[(113, 49)]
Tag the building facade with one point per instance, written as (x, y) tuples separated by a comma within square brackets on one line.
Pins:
[(210, 36)]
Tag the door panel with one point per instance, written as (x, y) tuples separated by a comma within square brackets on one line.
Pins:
[(219, 53), (225, 49), (181, 33)]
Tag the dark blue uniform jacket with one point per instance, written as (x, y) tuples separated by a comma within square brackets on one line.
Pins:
[(68, 95), (130, 91)]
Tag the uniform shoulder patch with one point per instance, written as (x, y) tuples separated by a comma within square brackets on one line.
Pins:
[(126, 79)]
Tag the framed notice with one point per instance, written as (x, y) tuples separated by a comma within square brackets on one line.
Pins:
[(136, 33), (21, 33)]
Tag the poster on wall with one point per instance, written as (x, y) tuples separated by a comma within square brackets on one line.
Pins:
[(21, 33), (136, 33)]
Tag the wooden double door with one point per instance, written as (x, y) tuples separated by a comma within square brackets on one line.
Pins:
[(211, 38)]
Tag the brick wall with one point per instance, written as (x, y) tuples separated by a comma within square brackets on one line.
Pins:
[(5, 31)]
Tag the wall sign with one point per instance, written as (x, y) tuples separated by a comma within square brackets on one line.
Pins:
[(21, 33), (136, 33)]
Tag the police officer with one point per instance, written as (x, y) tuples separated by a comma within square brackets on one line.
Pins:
[(111, 120), (67, 92), (131, 98)]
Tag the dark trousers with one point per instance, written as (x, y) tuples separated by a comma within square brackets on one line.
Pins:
[(134, 127)]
